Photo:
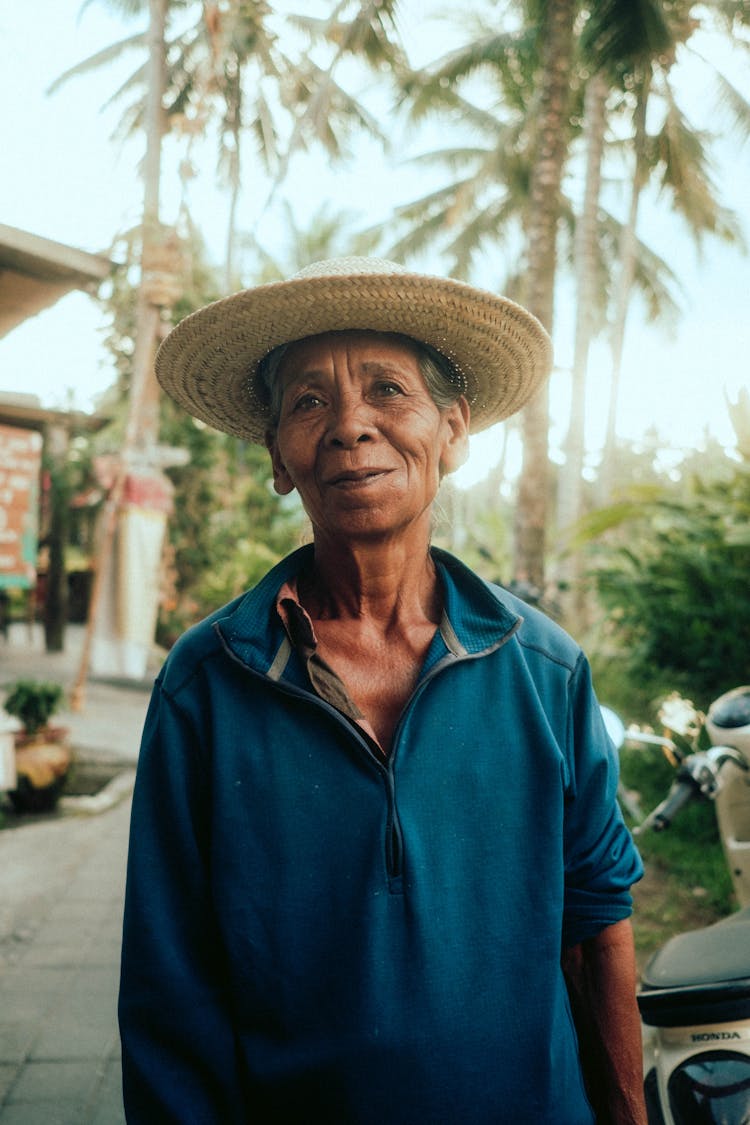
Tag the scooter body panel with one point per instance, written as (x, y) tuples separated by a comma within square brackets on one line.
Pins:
[(702, 1074), (695, 991), (732, 804)]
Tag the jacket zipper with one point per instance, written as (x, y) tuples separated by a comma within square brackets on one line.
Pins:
[(394, 857), (394, 842)]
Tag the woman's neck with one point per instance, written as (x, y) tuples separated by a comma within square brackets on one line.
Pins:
[(393, 585)]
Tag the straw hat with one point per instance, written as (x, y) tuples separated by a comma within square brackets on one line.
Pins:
[(208, 363)]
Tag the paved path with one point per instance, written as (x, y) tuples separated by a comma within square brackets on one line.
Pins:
[(59, 963), (61, 893)]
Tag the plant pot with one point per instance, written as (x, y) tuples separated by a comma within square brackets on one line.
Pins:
[(42, 764)]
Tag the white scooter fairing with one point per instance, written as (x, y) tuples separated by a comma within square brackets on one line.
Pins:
[(695, 994), (694, 997)]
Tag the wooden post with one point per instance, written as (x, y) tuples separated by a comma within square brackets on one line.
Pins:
[(142, 425)]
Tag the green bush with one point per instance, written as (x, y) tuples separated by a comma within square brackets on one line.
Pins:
[(672, 574)]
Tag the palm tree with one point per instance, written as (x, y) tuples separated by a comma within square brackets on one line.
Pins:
[(327, 234), (615, 40), (490, 199), (556, 21), (205, 81), (676, 158), (228, 65), (510, 188)]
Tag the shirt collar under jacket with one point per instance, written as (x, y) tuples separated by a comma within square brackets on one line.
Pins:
[(476, 617)]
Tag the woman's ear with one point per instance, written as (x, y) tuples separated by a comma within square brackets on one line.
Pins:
[(282, 482), (456, 443)]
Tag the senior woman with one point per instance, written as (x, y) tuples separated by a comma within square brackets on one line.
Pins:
[(374, 828)]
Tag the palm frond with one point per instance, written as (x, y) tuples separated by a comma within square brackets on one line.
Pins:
[(507, 60), (736, 105), (492, 50), (619, 33), (100, 58), (416, 241), (370, 35), (460, 157), (135, 81), (684, 170), (491, 225), (323, 106), (443, 200), (654, 278)]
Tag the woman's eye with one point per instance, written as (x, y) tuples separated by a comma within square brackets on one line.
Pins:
[(307, 402), (388, 389)]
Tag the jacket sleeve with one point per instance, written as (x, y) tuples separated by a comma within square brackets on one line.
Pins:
[(601, 860), (178, 1045)]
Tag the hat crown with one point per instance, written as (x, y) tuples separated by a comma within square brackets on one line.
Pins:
[(209, 362), (350, 266)]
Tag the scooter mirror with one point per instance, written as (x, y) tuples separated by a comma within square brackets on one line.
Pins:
[(614, 725)]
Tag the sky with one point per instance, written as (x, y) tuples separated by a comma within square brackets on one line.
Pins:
[(66, 179)]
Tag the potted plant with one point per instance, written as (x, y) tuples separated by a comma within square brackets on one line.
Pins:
[(43, 755)]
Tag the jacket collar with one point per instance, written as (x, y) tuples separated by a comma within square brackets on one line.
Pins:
[(479, 616)]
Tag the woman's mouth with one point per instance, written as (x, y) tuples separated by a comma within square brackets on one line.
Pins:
[(356, 478)]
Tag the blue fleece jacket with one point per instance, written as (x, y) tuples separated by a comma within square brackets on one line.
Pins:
[(315, 934)]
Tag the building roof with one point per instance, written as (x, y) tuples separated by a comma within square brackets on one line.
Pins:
[(27, 411), (36, 272)]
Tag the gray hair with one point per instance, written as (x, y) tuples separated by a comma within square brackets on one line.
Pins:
[(444, 381)]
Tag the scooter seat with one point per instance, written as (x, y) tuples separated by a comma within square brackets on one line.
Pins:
[(702, 976)]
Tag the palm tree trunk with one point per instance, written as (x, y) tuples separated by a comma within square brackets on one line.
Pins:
[(551, 150), (570, 504), (571, 490), (627, 257)]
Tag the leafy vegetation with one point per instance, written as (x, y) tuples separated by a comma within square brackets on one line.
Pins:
[(33, 703), (671, 572), (514, 101)]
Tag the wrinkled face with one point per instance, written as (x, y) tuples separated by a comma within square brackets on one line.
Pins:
[(359, 435)]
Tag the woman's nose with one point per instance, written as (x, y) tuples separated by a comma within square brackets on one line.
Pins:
[(350, 422)]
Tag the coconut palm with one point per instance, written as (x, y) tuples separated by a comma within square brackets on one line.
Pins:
[(616, 39), (228, 67), (218, 52), (675, 157)]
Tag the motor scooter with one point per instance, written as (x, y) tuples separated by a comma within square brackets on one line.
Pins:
[(694, 996)]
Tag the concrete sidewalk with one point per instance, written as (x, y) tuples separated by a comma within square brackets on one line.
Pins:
[(61, 889), (61, 895)]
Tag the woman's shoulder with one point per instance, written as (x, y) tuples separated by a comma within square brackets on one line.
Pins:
[(531, 627), (540, 633), (200, 643)]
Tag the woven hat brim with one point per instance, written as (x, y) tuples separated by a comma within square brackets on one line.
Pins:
[(208, 362)]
